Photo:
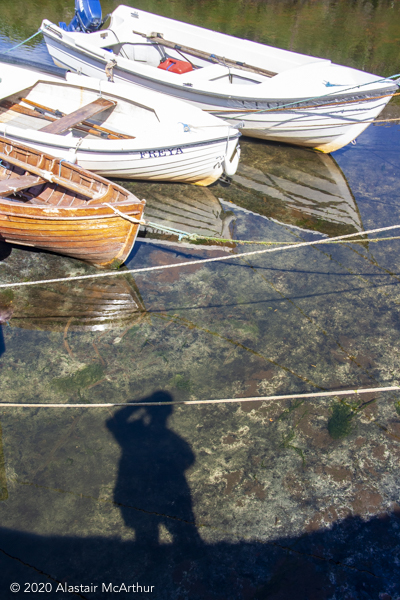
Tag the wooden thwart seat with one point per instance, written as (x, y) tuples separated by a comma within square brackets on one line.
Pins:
[(76, 117), (84, 126), (50, 177), (17, 184), (40, 111)]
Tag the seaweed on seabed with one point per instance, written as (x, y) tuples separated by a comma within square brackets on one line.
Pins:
[(181, 383), (286, 443), (6, 296), (397, 407), (3, 478), (340, 423), (79, 380)]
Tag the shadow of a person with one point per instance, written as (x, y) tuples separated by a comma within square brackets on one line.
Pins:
[(151, 488)]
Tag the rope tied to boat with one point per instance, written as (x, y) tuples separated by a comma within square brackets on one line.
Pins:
[(157, 226), (199, 237), (24, 42), (199, 261)]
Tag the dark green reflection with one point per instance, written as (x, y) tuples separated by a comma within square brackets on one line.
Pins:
[(294, 186), (358, 34)]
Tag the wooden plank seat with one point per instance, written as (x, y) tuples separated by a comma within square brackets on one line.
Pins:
[(17, 184), (94, 129), (40, 111), (77, 116)]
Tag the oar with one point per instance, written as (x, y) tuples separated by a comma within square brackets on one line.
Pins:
[(158, 38)]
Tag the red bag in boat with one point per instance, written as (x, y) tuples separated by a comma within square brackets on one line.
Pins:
[(175, 66)]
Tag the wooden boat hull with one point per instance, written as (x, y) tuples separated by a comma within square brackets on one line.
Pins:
[(335, 103), (100, 228), (78, 235)]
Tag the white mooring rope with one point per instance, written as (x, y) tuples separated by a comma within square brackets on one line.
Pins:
[(200, 261), (215, 401)]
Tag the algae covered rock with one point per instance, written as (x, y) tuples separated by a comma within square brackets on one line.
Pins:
[(79, 380), (340, 423)]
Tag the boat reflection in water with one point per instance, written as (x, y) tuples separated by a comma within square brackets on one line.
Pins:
[(82, 305), (185, 208), (296, 187), (293, 186)]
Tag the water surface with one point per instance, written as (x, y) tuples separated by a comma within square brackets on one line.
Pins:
[(279, 499)]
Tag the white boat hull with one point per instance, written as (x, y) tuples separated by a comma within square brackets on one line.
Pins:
[(324, 120), (168, 143), (323, 129), (197, 164)]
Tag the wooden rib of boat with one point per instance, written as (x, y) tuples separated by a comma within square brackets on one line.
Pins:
[(50, 204), (268, 92)]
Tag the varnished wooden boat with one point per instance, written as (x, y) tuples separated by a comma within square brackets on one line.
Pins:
[(53, 205)]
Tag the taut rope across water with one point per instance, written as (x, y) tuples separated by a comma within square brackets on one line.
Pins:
[(200, 261), (212, 401)]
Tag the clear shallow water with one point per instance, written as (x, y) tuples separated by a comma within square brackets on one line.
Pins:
[(275, 500)]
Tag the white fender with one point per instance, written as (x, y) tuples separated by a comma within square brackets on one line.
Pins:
[(230, 165)]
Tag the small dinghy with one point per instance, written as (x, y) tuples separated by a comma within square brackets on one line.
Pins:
[(115, 130), (270, 93), (50, 204)]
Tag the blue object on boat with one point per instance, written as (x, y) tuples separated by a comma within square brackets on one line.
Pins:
[(87, 18)]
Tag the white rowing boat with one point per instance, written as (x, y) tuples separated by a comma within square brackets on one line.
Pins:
[(270, 93), (115, 130)]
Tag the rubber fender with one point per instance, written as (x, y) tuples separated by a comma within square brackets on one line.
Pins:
[(230, 165)]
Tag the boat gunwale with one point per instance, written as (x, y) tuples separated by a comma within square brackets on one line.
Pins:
[(196, 90), (56, 216), (129, 152)]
